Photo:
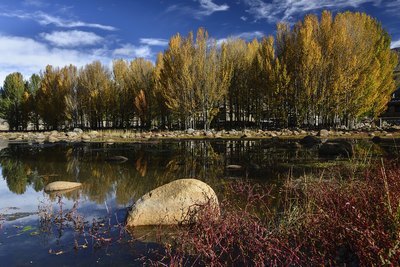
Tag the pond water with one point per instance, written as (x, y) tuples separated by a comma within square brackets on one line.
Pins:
[(85, 227)]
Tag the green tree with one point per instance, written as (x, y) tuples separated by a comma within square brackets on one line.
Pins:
[(33, 86), (14, 101)]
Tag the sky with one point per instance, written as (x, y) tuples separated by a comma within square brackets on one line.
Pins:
[(35, 33)]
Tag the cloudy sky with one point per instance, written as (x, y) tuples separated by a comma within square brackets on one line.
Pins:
[(34, 33)]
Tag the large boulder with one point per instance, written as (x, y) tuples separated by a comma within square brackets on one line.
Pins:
[(336, 148), (173, 203), (61, 186)]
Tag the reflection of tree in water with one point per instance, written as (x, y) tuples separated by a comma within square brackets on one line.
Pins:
[(15, 175), (149, 165)]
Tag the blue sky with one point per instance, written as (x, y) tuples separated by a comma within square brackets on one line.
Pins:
[(34, 33)]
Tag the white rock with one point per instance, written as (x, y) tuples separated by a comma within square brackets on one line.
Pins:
[(323, 133), (234, 167), (171, 203), (61, 185)]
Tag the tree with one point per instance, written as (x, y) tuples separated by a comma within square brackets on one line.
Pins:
[(14, 101), (94, 85), (124, 95), (340, 68), (159, 86), (141, 72), (56, 89), (33, 86), (176, 79), (211, 76)]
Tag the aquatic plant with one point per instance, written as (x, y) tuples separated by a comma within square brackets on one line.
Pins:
[(319, 221), (97, 233)]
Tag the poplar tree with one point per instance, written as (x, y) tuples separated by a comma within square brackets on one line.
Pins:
[(142, 77), (13, 101), (33, 86), (211, 75), (94, 83), (177, 79)]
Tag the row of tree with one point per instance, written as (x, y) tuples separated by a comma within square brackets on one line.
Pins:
[(322, 71)]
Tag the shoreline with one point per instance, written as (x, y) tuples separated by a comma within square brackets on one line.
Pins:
[(128, 136)]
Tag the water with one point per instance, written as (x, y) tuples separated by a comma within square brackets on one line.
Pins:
[(85, 227)]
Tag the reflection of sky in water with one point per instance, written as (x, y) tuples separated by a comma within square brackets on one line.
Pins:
[(28, 202), (107, 184), (18, 248)]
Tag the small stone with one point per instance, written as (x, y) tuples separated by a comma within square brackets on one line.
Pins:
[(61, 185), (86, 137), (234, 167), (53, 139), (110, 141), (323, 133)]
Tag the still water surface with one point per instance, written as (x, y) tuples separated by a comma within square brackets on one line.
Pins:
[(85, 227)]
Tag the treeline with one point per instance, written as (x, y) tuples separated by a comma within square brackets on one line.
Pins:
[(325, 71)]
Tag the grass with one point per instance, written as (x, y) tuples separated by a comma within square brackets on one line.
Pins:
[(318, 221)]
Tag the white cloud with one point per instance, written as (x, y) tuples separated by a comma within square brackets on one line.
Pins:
[(208, 7), (243, 18), (34, 3), (132, 51), (285, 10), (29, 56), (47, 19), (248, 36), (395, 44), (72, 38), (154, 41)]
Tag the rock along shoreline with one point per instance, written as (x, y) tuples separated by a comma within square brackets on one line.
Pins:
[(126, 136)]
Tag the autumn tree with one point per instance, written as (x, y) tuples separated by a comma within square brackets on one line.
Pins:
[(176, 79), (236, 50), (56, 88), (340, 68), (211, 75), (94, 85), (159, 87), (124, 93), (141, 73)]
